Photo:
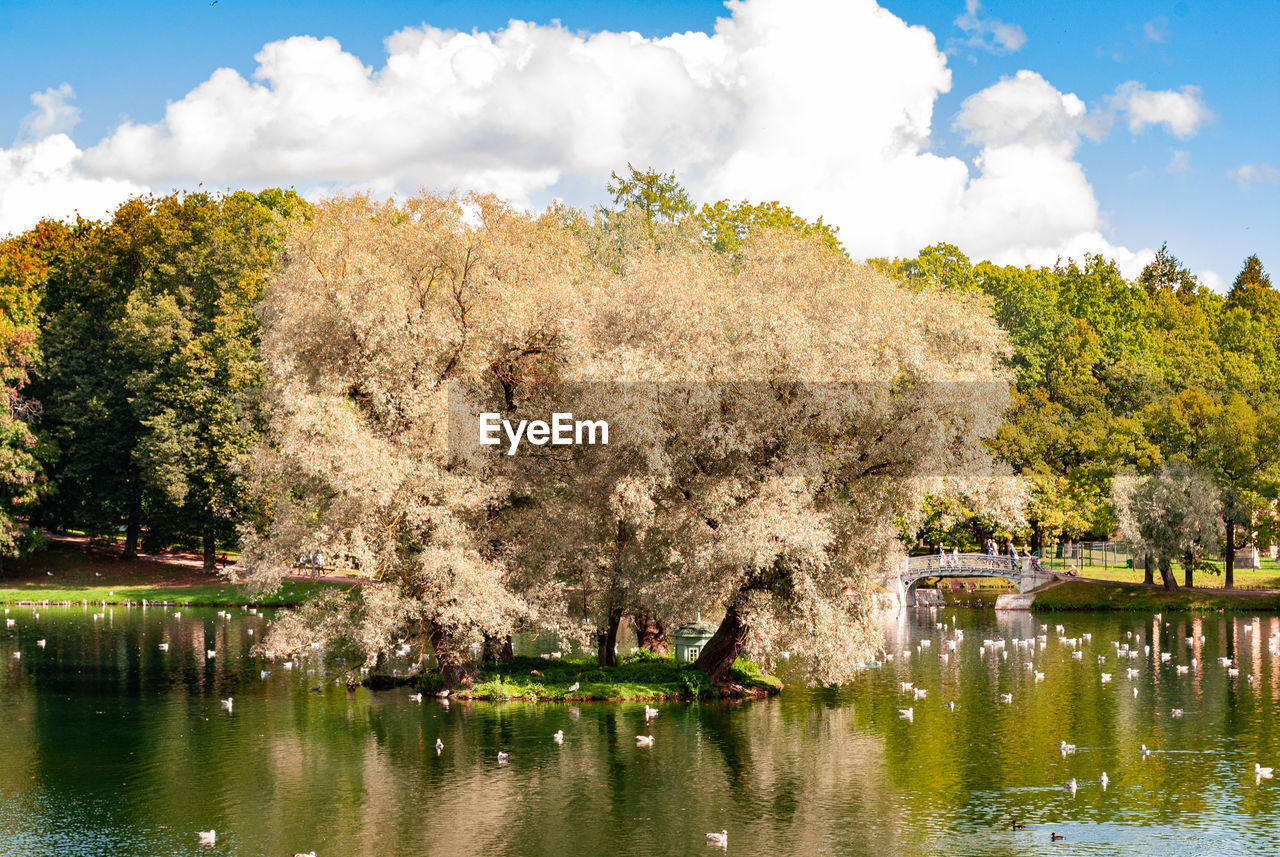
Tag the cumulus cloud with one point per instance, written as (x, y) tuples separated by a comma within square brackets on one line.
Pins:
[(52, 114), (1212, 280), (1261, 173), (989, 34), (45, 179), (1181, 112), (826, 105), (1179, 162)]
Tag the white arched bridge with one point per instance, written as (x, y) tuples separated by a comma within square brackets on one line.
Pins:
[(1025, 573)]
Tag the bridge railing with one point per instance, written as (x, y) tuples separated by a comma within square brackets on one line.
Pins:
[(974, 563)]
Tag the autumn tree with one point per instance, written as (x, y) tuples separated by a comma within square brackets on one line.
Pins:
[(1173, 515), (385, 320)]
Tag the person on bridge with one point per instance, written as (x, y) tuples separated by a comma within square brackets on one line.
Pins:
[(1013, 555)]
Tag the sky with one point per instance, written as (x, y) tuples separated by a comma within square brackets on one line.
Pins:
[(1022, 133)]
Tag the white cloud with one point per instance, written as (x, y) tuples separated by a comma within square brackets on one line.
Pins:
[(1181, 112), (53, 115), (1262, 173), (44, 179), (989, 34), (1213, 281), (1157, 29), (1179, 162), (826, 105)]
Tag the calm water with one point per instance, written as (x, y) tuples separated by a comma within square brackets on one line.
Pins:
[(114, 747)]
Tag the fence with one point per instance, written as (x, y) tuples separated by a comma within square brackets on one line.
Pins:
[(1080, 554), (1113, 555)]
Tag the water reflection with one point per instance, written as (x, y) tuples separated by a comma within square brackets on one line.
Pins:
[(115, 746)]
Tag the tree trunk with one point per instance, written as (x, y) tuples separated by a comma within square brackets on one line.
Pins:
[(718, 655), (497, 649), (650, 634), (210, 553), (1148, 570), (1230, 571), (131, 528), (607, 642), (455, 670), (1188, 564), (1166, 575)]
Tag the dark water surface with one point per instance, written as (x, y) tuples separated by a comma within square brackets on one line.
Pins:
[(114, 747)]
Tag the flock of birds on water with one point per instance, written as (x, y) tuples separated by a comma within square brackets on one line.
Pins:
[(1123, 650), (952, 637), (210, 837)]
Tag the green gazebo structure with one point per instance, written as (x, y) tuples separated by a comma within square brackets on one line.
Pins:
[(689, 639)]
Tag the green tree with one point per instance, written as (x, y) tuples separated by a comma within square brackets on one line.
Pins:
[(658, 195), (1252, 291), (726, 226)]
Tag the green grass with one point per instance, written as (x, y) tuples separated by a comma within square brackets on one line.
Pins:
[(211, 595), (1084, 595), (638, 676), (1267, 577), (60, 574)]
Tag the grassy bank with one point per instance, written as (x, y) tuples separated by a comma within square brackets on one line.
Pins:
[(63, 574), (1091, 595), (1267, 577), (209, 595), (638, 676)]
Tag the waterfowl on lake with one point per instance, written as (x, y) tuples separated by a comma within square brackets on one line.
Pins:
[(207, 837), (228, 702), (1055, 837), (720, 839), (573, 687), (1018, 825), (558, 737), (439, 745), (1071, 785), (650, 713), (502, 757), (1263, 773), (1067, 748), (907, 713), (1177, 712), (644, 740), (1104, 779), (308, 854), (1006, 697)]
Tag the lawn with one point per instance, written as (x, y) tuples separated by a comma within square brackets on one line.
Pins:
[(640, 675), (66, 574), (1087, 595)]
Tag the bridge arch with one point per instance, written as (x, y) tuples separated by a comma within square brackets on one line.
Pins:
[(1023, 572)]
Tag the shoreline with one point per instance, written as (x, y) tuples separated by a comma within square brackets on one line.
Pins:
[(638, 677), (72, 572), (1083, 594)]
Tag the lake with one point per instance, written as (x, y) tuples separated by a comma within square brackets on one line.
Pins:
[(115, 747)]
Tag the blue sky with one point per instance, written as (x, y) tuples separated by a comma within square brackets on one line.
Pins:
[(1152, 179)]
